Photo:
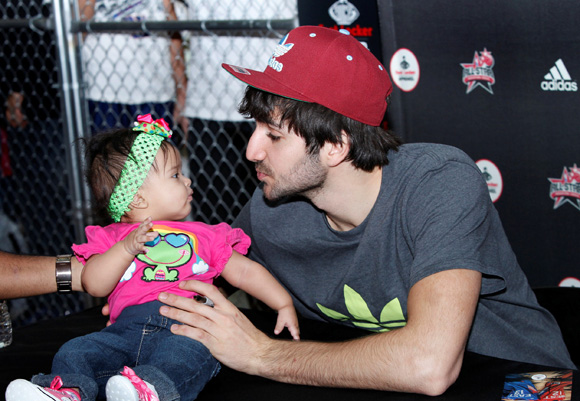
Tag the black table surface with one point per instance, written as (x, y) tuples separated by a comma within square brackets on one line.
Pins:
[(481, 378)]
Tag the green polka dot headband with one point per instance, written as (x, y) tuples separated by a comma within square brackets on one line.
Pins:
[(138, 163)]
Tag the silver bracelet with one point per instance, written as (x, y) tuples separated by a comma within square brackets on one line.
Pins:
[(63, 273)]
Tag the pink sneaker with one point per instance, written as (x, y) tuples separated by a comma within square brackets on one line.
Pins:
[(129, 387), (23, 390)]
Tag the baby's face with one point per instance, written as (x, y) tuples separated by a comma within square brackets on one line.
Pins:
[(166, 190)]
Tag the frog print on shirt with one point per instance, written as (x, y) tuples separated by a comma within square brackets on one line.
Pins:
[(166, 265), (165, 254)]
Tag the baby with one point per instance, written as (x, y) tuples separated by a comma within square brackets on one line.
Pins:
[(135, 175)]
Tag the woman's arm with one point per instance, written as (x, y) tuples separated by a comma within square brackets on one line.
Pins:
[(26, 276), (102, 272)]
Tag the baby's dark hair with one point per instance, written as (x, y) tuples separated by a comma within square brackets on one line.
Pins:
[(105, 156)]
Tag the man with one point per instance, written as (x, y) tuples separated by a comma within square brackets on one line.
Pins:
[(401, 240)]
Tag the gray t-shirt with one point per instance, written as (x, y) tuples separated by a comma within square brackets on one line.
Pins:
[(433, 214)]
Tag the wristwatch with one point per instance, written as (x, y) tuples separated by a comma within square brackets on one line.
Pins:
[(63, 273)]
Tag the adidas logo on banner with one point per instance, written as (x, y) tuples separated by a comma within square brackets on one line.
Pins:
[(558, 79)]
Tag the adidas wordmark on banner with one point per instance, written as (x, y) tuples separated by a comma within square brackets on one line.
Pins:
[(558, 79)]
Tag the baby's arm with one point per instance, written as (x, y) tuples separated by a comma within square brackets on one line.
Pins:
[(253, 278), (102, 272)]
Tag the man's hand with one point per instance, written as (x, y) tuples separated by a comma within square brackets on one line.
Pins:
[(223, 329)]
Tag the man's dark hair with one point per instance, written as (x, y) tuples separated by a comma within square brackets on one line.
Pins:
[(105, 156), (317, 124)]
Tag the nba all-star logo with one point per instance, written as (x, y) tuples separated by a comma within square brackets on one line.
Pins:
[(566, 189), (479, 72)]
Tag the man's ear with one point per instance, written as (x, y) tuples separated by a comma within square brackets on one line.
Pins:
[(139, 202), (335, 153)]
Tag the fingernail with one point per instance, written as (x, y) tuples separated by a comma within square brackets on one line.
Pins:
[(162, 295), (164, 310)]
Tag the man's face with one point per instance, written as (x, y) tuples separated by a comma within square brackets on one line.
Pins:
[(283, 164)]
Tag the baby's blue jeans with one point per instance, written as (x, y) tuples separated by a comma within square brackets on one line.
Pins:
[(177, 366)]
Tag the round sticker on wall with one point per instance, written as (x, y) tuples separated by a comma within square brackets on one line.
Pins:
[(405, 70), (492, 177)]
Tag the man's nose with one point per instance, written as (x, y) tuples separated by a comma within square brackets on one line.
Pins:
[(255, 150)]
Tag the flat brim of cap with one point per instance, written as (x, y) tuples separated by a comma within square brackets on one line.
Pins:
[(261, 80)]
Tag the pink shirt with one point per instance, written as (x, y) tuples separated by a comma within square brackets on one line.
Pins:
[(182, 251)]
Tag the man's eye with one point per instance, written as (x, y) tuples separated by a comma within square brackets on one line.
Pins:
[(273, 138)]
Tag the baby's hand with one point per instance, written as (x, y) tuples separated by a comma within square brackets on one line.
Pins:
[(135, 242), (287, 318)]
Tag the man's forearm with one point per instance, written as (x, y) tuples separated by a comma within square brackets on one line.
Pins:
[(24, 276), (371, 362), (423, 357)]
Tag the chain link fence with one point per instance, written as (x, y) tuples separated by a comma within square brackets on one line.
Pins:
[(66, 78)]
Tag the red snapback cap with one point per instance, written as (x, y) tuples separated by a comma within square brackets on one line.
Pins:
[(324, 66)]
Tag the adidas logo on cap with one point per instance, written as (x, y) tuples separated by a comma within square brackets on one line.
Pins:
[(558, 79)]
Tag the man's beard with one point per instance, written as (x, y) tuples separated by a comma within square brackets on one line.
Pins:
[(305, 179)]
